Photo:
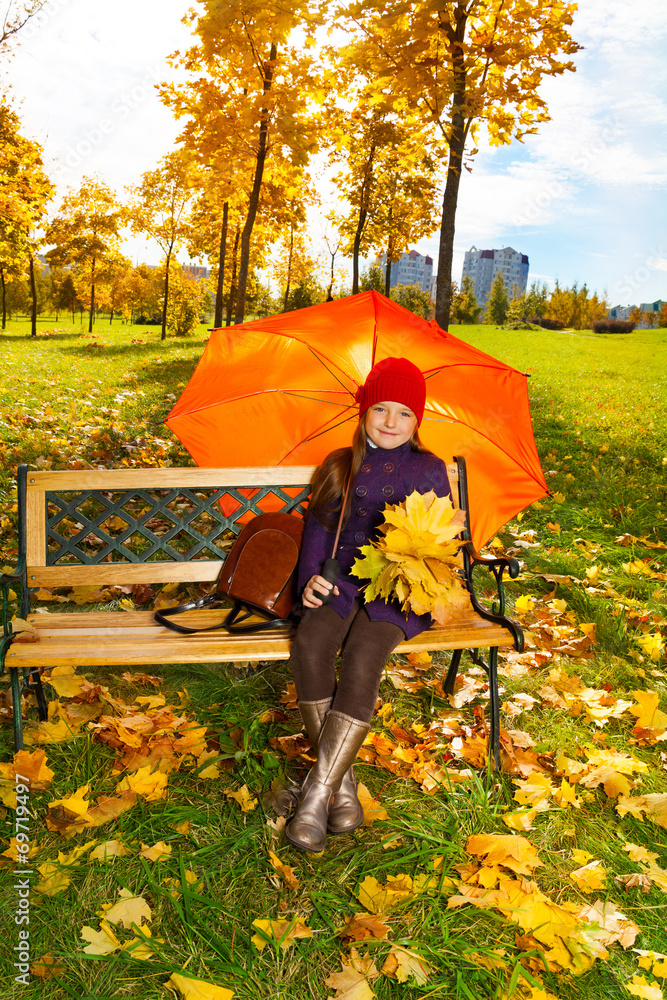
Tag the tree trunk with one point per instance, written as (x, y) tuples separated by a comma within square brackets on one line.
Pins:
[(232, 286), (92, 298), (363, 212), (163, 335), (244, 263), (217, 319), (457, 139), (387, 276), (33, 292), (4, 299), (289, 263)]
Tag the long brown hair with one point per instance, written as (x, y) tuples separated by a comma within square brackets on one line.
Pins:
[(329, 479)]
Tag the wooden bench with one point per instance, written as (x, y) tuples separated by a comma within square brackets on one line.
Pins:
[(158, 526)]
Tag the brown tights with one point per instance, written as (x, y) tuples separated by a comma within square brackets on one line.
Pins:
[(366, 646)]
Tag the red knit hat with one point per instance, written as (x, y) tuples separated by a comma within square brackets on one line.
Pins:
[(394, 380)]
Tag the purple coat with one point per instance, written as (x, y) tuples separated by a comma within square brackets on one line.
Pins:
[(386, 476)]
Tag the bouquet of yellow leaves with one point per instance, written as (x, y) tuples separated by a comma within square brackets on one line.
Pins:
[(414, 560)]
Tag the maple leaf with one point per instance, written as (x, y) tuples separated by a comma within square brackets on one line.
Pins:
[(372, 809), (102, 941), (636, 880), (109, 849), (515, 853), (414, 559), (653, 644), (66, 681), (566, 796), (589, 878), (361, 926), (637, 853), (653, 805), (149, 784), (198, 989), (352, 983), (130, 909), (639, 987), (139, 946), (535, 791), (244, 798), (648, 714), (52, 880), (285, 871), (380, 899), (522, 819), (30, 765), (402, 965), (46, 967), (155, 853), (280, 932)]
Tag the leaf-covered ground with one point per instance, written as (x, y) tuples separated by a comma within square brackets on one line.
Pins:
[(158, 798)]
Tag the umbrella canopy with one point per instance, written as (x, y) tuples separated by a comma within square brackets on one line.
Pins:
[(280, 391)]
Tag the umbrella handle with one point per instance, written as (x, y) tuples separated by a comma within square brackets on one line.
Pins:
[(330, 574)]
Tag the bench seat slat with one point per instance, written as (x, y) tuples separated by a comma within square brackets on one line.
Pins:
[(124, 573), (107, 638)]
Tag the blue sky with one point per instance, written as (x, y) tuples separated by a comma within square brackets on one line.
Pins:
[(586, 198)]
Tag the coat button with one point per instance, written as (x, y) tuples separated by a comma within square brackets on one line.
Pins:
[(387, 491), (365, 467), (361, 491), (362, 512), (388, 467), (359, 537)]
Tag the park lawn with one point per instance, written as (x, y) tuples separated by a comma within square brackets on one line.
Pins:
[(592, 597)]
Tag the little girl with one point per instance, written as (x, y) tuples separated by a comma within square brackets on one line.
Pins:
[(386, 463)]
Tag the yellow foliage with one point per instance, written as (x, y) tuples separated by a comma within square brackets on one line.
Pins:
[(198, 989), (414, 559)]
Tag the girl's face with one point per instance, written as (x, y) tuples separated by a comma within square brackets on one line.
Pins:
[(390, 424)]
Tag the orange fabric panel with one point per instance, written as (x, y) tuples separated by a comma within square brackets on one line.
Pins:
[(281, 391)]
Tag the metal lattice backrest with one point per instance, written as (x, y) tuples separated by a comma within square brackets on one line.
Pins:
[(145, 525)]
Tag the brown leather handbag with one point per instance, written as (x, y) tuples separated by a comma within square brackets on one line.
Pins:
[(258, 576)]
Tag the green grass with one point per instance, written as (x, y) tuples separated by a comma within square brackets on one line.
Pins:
[(598, 404)]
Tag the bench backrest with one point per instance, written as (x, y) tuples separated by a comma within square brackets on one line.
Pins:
[(126, 526)]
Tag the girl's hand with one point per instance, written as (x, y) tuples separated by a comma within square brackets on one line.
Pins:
[(316, 585)]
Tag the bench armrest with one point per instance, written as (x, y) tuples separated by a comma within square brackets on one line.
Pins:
[(496, 565)]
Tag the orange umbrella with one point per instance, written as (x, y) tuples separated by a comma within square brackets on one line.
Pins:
[(280, 391)]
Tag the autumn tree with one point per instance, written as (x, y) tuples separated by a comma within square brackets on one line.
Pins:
[(249, 98), (25, 191), (86, 232), (159, 210), (459, 66), (465, 307), (575, 308), (16, 16)]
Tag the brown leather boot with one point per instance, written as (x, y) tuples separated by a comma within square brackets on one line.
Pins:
[(339, 741), (346, 812)]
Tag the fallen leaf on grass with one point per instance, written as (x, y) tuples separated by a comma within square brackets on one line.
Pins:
[(156, 852), (361, 926), (535, 791), (130, 909), (289, 697), (149, 784), (590, 878), (521, 819), (402, 965), (379, 898), (637, 853), (515, 853), (654, 806), (46, 967), (285, 871), (52, 880), (109, 849), (243, 797), (649, 716), (280, 932), (31, 765), (100, 942), (636, 880), (639, 987), (352, 983), (197, 989), (372, 809), (66, 682)]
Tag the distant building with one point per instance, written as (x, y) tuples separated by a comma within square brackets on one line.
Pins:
[(620, 312), (650, 313), (411, 268), (483, 265), (196, 271)]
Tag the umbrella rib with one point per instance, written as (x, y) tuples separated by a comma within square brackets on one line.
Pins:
[(316, 434), (313, 399), (320, 357), (486, 437)]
